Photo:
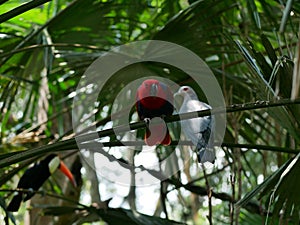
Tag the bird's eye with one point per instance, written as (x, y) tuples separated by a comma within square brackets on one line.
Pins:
[(185, 89)]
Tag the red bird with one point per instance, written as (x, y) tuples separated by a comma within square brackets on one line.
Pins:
[(154, 100)]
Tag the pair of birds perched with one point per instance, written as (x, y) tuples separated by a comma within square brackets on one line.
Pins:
[(154, 99)]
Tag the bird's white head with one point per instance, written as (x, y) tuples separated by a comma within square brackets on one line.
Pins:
[(186, 92)]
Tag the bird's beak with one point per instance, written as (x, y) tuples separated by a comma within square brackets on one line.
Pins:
[(153, 90), (177, 94), (178, 99), (63, 168)]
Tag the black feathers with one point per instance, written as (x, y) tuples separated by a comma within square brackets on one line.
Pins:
[(33, 178)]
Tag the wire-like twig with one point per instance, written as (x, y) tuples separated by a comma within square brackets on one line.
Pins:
[(21, 9), (72, 143), (190, 115), (209, 216), (43, 193), (61, 45), (232, 201), (224, 144)]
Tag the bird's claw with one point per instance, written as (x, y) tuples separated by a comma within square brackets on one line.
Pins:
[(147, 120)]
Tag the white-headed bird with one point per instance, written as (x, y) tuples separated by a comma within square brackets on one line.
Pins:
[(199, 130)]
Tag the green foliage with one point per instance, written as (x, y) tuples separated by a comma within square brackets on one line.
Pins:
[(250, 45)]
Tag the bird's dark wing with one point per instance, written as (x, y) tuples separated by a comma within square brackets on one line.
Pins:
[(204, 139), (33, 178)]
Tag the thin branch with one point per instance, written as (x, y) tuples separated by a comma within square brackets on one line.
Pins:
[(199, 190), (224, 144), (132, 190), (261, 147), (21, 9), (286, 15), (233, 108), (209, 216), (35, 32), (216, 171), (232, 197), (157, 174), (61, 45), (72, 143), (163, 186), (202, 191), (43, 193), (191, 115)]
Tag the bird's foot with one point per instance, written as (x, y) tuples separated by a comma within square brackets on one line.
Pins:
[(147, 121)]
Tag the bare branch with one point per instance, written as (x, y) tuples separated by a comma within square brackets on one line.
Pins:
[(72, 143)]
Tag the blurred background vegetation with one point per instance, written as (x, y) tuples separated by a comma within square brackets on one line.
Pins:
[(252, 46)]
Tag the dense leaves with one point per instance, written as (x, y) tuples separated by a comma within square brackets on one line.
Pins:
[(250, 45)]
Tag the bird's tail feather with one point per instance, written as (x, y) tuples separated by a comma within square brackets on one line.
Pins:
[(158, 134), (15, 203), (206, 155)]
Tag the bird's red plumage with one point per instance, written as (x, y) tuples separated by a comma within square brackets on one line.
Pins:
[(155, 99), (152, 101), (160, 135)]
